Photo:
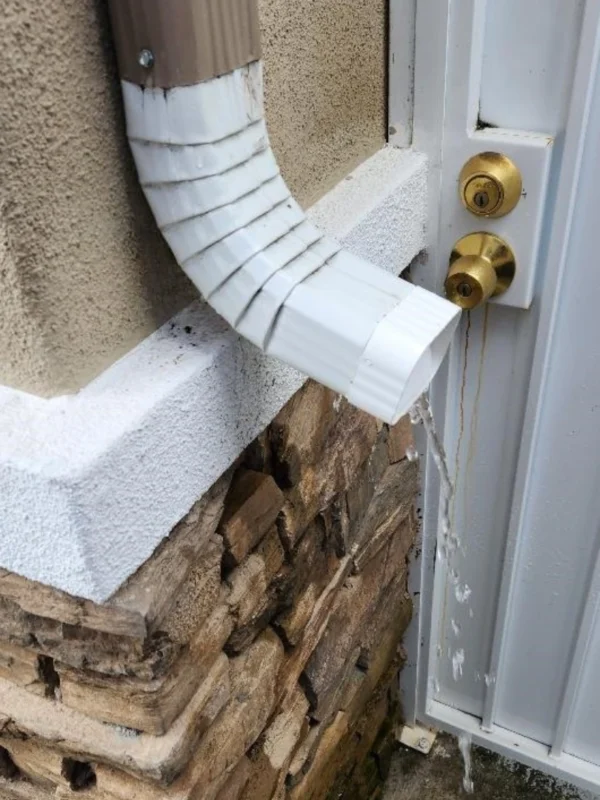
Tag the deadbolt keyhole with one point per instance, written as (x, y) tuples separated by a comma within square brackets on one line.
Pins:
[(464, 289), (481, 199)]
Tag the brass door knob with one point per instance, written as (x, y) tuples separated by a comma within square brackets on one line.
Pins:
[(490, 185), (482, 265)]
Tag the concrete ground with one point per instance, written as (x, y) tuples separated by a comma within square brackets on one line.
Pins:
[(439, 776)]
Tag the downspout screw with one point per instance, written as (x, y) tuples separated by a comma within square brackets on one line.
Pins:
[(146, 59)]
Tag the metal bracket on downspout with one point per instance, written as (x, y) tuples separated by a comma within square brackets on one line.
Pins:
[(193, 94)]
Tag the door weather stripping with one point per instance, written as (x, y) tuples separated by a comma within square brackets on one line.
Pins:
[(200, 144)]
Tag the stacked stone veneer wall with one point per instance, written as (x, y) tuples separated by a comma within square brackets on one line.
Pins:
[(254, 655)]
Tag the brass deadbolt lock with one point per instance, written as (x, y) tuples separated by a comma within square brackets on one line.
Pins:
[(481, 266), (490, 185)]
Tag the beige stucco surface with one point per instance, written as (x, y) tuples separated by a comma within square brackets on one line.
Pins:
[(325, 80), (84, 274)]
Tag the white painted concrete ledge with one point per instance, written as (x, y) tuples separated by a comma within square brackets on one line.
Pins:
[(91, 483)]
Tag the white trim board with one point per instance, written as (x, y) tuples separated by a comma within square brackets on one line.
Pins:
[(91, 483), (401, 68)]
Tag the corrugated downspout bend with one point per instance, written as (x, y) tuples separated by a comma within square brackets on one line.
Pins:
[(193, 94)]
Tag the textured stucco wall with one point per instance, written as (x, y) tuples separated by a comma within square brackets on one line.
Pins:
[(84, 274), (325, 73)]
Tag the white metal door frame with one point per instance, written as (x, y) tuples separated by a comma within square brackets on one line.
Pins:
[(432, 43)]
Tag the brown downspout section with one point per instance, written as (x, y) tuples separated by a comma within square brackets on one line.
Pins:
[(167, 43)]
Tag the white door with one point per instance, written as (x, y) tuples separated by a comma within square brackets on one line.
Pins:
[(506, 641)]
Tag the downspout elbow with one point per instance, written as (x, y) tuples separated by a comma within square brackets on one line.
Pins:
[(198, 136)]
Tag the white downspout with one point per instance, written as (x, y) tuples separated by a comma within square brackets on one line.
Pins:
[(205, 164)]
